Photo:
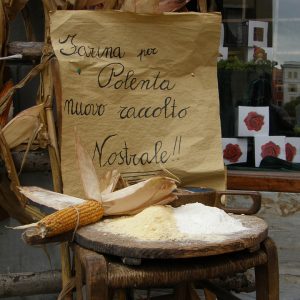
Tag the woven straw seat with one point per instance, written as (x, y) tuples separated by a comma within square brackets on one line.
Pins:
[(102, 273)]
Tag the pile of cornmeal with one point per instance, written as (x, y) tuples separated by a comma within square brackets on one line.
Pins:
[(190, 221)]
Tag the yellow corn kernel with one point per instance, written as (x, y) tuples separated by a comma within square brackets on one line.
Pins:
[(71, 218)]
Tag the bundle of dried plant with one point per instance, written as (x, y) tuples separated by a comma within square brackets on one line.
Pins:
[(13, 7), (75, 212), (141, 6), (3, 39), (96, 4), (153, 6), (6, 105), (172, 5), (23, 126)]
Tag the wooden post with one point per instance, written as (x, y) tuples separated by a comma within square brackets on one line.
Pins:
[(57, 183), (267, 275), (96, 276), (46, 94), (25, 284), (30, 50)]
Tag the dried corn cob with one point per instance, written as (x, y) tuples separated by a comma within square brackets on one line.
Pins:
[(67, 219)]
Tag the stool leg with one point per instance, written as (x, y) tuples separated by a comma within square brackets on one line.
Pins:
[(78, 276), (185, 291), (267, 275), (209, 295), (96, 277)]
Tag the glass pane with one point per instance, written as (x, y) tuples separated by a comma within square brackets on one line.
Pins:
[(259, 83)]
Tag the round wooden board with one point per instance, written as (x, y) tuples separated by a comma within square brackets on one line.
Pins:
[(124, 246)]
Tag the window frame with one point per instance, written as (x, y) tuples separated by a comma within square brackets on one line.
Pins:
[(273, 181)]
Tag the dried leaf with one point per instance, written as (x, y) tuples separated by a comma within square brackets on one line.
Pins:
[(30, 142), (101, 4), (109, 181), (20, 129), (122, 183), (27, 20), (88, 174), (62, 4), (3, 39), (132, 199), (48, 198), (172, 5), (13, 7), (139, 196), (6, 105), (141, 6)]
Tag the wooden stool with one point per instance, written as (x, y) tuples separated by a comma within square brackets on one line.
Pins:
[(102, 273)]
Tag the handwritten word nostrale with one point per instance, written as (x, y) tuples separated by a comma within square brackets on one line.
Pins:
[(160, 153), (168, 109), (72, 47), (114, 75), (147, 52), (73, 107)]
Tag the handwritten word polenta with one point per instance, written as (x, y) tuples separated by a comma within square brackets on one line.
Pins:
[(73, 107), (168, 109), (114, 75), (71, 47), (160, 153)]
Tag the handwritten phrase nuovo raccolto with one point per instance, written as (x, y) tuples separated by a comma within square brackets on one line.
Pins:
[(114, 75)]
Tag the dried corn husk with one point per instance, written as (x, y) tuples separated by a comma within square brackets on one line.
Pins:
[(5, 106), (202, 6), (44, 197), (95, 4), (34, 71), (136, 197), (172, 5), (141, 6), (88, 174), (93, 187), (30, 35), (3, 28), (67, 219), (62, 4), (109, 181), (130, 200), (13, 7), (3, 39), (10, 168), (22, 127)]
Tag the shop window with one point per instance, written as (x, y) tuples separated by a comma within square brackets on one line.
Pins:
[(258, 34), (256, 81), (292, 88)]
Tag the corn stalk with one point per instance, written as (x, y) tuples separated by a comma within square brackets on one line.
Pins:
[(13, 7), (3, 39)]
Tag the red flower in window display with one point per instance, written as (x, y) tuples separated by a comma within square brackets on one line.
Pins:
[(290, 151), (270, 149), (254, 121), (232, 152)]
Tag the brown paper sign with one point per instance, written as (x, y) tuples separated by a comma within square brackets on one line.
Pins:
[(142, 92)]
